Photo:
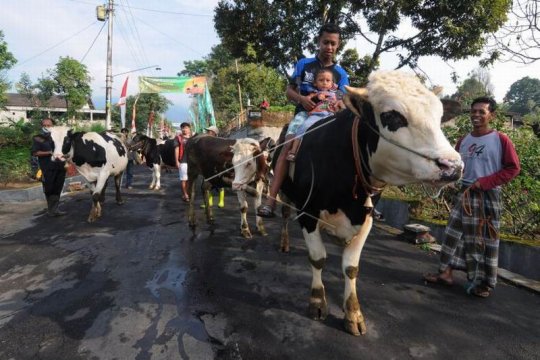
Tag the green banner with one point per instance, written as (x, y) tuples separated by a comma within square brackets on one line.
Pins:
[(179, 84)]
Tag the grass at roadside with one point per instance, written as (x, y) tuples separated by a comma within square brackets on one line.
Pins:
[(14, 164)]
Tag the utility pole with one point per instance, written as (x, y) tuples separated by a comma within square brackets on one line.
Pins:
[(239, 96), (109, 78)]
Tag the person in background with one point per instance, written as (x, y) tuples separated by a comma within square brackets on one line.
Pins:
[(214, 131), (132, 156), (53, 171), (181, 158), (472, 234)]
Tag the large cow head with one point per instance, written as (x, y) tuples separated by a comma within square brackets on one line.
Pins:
[(61, 137), (249, 162), (405, 142)]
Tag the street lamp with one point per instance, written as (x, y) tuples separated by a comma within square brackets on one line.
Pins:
[(156, 67), (109, 88)]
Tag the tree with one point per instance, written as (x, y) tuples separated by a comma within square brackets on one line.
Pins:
[(194, 68), (477, 84), (146, 104), (524, 95), (357, 67), (276, 33), (258, 82), (7, 60), (519, 39)]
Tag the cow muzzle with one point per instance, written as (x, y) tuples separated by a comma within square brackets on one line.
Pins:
[(450, 170)]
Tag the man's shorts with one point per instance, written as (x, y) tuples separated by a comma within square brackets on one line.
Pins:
[(182, 172)]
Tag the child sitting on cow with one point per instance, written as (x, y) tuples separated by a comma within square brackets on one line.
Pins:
[(325, 98)]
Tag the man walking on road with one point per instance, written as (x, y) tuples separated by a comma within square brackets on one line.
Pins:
[(472, 233), (54, 171)]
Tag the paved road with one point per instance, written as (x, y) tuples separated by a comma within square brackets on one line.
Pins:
[(139, 285)]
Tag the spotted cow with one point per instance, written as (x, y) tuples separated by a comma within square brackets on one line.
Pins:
[(156, 153), (96, 157), (389, 134), (227, 163)]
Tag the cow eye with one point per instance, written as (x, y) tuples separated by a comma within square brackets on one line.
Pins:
[(393, 120)]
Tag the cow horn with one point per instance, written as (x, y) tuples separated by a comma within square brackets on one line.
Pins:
[(354, 98), (437, 90), (362, 92)]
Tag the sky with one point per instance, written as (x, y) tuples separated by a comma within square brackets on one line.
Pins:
[(164, 33)]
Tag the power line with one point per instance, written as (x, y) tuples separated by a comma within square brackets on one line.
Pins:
[(151, 10), (170, 37), (55, 45), (93, 42)]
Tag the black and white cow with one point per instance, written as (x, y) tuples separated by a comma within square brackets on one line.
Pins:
[(227, 163), (390, 134), (96, 157), (156, 154)]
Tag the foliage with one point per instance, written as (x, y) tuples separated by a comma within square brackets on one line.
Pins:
[(524, 95), (280, 108), (357, 67), (14, 164), (276, 33), (519, 39), (145, 104), (38, 94), (257, 83), (7, 60), (477, 84), (72, 81)]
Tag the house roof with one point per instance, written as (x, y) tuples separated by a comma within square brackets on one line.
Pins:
[(56, 101)]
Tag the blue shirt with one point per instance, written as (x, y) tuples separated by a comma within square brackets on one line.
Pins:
[(304, 76)]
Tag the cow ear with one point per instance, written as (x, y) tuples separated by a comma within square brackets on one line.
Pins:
[(264, 143), (354, 98), (437, 90), (70, 133)]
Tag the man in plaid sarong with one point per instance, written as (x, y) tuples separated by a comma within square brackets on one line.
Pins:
[(472, 239)]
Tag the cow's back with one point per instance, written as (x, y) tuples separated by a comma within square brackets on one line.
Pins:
[(209, 156), (94, 152)]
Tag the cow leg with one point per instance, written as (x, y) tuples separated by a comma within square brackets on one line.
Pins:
[(244, 226), (157, 177), (285, 215), (208, 209), (354, 320), (97, 196), (256, 204), (117, 184), (318, 308), (191, 209)]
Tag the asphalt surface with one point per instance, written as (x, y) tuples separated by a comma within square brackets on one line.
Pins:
[(138, 284)]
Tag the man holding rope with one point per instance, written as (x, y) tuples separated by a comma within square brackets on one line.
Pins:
[(300, 91), (472, 234)]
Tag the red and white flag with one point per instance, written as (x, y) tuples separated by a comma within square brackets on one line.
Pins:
[(122, 103), (134, 115)]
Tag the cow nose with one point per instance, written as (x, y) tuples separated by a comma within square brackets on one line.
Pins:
[(451, 170)]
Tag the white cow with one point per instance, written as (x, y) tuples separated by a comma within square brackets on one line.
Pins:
[(96, 157), (390, 134)]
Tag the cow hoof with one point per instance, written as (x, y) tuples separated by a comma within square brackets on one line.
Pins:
[(318, 308), (355, 327), (121, 202), (91, 219), (157, 188), (246, 234), (151, 187), (284, 249)]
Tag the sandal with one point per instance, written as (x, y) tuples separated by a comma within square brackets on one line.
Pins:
[(481, 291), (185, 198), (437, 279), (265, 211), (291, 157)]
